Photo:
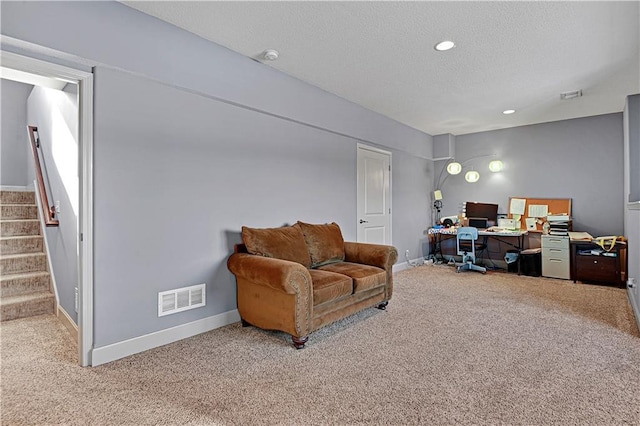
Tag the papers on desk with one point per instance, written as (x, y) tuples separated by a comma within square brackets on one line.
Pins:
[(497, 230), (580, 236)]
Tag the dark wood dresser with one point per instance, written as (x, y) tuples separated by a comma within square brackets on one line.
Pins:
[(604, 268)]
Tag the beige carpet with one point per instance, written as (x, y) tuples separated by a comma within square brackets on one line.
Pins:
[(451, 349)]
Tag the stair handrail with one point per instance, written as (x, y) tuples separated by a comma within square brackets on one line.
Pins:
[(49, 211)]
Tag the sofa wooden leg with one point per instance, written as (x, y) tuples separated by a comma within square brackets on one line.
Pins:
[(244, 323), (299, 342), (383, 305)]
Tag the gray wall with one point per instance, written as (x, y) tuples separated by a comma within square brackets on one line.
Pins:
[(177, 175), (117, 35), (14, 140), (581, 159), (55, 113), (192, 141)]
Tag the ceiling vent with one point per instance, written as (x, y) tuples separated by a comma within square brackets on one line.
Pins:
[(181, 299), (570, 95)]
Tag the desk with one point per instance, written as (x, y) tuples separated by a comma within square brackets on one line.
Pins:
[(514, 239)]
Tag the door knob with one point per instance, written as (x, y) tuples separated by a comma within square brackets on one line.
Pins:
[(364, 221)]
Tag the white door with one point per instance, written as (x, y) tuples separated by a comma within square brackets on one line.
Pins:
[(374, 195)]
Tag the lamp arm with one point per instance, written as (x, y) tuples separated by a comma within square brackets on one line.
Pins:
[(476, 157), (439, 183)]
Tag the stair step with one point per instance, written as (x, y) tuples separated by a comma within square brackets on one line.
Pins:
[(17, 284), (21, 245), (12, 228), (18, 211), (27, 305), (17, 197), (23, 263)]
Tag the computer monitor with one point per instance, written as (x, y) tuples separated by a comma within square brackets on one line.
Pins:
[(478, 222), (479, 210)]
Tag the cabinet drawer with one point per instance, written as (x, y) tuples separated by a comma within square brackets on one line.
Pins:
[(556, 267), (556, 253), (549, 241), (596, 268)]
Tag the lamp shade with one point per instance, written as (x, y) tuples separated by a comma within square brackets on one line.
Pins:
[(472, 176), (454, 168), (496, 166)]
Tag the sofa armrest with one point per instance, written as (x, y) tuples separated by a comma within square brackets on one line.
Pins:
[(273, 294), (277, 274), (379, 255)]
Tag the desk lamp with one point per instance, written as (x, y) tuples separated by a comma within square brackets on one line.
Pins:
[(437, 203)]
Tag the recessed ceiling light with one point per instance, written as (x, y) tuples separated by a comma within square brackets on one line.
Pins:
[(508, 111), (444, 45)]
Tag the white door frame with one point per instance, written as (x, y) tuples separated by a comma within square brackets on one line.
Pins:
[(84, 80), (361, 146)]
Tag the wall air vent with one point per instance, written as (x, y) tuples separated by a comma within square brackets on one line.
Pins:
[(570, 95), (181, 299)]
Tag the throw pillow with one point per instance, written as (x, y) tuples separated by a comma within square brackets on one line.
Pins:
[(286, 243), (325, 243)]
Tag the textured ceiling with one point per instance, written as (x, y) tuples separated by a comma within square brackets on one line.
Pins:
[(508, 55)]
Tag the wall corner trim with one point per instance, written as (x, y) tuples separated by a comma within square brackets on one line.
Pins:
[(634, 306), (156, 339)]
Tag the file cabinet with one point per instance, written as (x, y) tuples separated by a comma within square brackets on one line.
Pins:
[(556, 259)]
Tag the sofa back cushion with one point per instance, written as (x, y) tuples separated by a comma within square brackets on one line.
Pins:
[(325, 243), (286, 243)]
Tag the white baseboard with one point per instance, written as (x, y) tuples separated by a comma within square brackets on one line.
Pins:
[(135, 345), (400, 267), (405, 265), (16, 188), (68, 322)]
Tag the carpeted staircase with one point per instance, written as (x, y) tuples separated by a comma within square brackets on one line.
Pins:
[(25, 281)]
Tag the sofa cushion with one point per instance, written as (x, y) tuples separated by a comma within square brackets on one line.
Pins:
[(325, 243), (329, 286), (286, 243), (364, 276)]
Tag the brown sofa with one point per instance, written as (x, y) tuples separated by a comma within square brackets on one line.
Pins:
[(300, 278)]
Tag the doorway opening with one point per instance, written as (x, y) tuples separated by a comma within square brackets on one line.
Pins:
[(60, 104)]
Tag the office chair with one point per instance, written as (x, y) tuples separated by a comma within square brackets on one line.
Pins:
[(466, 243)]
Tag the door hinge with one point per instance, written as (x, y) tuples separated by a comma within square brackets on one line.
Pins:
[(81, 237), (389, 210)]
